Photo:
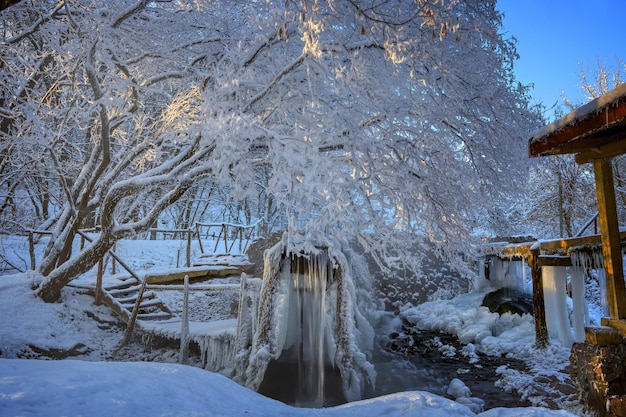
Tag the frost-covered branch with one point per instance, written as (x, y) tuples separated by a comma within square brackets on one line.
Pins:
[(139, 5), (275, 81), (37, 24)]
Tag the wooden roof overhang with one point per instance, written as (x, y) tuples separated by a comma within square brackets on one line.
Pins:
[(596, 132)]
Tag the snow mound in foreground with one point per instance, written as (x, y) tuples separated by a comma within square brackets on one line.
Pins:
[(72, 388)]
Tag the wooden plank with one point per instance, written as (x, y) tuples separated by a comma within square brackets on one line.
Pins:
[(173, 276), (611, 245)]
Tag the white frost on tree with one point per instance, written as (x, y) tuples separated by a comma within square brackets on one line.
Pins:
[(365, 121)]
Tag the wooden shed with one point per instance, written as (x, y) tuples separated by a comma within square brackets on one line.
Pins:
[(595, 133)]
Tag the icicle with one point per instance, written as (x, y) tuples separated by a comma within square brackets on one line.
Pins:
[(217, 353), (557, 321), (603, 291), (519, 275), (497, 273), (581, 310), (481, 280), (598, 259)]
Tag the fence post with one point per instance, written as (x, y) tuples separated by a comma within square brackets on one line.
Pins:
[(113, 269), (225, 230), (199, 239), (188, 248), (98, 297), (184, 325), (31, 249)]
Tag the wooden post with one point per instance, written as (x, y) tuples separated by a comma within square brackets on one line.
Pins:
[(98, 297), (31, 249), (539, 308), (199, 238), (184, 325), (217, 241), (225, 230), (188, 248), (135, 312), (611, 245)]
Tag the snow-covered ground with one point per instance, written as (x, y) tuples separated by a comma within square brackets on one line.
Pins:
[(80, 388), (100, 385)]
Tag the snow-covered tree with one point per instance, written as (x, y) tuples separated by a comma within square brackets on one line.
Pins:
[(383, 118), (357, 120), (562, 193), (105, 99), (563, 197)]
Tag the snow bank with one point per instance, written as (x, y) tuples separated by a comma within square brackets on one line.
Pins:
[(30, 321), (73, 388)]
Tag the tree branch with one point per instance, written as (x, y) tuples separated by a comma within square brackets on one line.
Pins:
[(128, 12), (275, 81), (37, 24)]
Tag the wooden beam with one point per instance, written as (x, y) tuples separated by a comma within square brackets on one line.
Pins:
[(611, 245), (554, 260), (539, 308), (611, 150), (564, 245)]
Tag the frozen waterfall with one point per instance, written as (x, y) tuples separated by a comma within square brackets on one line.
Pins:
[(304, 350)]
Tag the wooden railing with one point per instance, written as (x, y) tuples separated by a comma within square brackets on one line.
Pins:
[(242, 234)]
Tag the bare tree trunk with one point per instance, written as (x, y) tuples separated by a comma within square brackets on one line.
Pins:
[(50, 291)]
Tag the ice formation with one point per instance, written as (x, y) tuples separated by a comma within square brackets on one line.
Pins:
[(307, 315), (555, 297), (463, 395), (580, 317)]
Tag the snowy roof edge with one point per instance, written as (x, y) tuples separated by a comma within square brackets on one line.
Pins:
[(593, 107)]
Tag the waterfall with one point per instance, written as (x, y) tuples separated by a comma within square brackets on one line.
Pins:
[(302, 370), (304, 341), (311, 279)]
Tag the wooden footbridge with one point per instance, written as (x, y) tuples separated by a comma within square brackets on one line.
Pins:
[(135, 298), (581, 251)]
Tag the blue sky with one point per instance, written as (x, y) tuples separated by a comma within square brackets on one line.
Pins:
[(557, 37)]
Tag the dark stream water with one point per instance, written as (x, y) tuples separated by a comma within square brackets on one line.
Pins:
[(405, 359), (414, 360)]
